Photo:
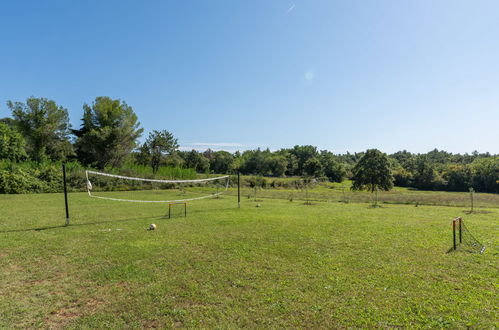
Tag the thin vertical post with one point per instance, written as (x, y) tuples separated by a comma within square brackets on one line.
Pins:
[(65, 192), (454, 232), (460, 230), (185, 209), (238, 190), (471, 198), (169, 210)]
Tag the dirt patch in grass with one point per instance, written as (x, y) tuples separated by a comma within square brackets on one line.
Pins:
[(151, 324), (4, 254), (62, 317)]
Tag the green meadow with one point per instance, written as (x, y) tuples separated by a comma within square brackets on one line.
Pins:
[(273, 263)]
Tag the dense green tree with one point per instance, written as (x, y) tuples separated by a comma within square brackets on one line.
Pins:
[(402, 177), (425, 176), (292, 162), (333, 169), (196, 160), (143, 156), (108, 133), (8, 121), (253, 162), (174, 160), (221, 162), (458, 177), (45, 126), (372, 172), (405, 159), (440, 156), (486, 174), (276, 165), (303, 154), (312, 167), (160, 145), (11, 144)]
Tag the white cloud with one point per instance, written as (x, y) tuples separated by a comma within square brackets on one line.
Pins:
[(309, 75), (215, 144), (290, 8)]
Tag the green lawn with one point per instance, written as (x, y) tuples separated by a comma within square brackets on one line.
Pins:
[(284, 264)]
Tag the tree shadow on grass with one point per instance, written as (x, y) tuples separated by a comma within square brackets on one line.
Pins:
[(76, 225), (161, 217)]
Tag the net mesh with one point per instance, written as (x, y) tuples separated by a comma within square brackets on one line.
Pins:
[(146, 190), (469, 242)]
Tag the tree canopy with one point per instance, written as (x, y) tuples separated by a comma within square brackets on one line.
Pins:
[(372, 172), (11, 144), (45, 126), (108, 133), (158, 146)]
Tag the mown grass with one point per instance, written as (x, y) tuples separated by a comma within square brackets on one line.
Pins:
[(341, 192), (283, 264)]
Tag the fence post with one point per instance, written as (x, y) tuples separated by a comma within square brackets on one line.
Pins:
[(454, 232), (460, 230), (238, 190), (65, 192)]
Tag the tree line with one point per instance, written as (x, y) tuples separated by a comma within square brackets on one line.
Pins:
[(39, 131)]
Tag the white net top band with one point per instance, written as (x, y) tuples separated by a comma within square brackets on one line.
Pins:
[(89, 187), (156, 180)]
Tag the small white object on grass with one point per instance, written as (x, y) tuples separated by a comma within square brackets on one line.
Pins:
[(152, 226), (258, 205)]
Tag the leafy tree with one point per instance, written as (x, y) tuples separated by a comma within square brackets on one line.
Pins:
[(45, 126), (333, 169), (372, 172), (292, 166), (276, 165), (402, 177), (221, 162), (486, 174), (108, 133), (405, 159), (303, 154), (253, 162), (312, 167), (159, 145), (11, 144), (458, 177), (142, 156), (196, 160), (174, 160), (425, 176), (8, 121)]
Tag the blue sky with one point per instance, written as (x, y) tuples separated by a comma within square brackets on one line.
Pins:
[(341, 75)]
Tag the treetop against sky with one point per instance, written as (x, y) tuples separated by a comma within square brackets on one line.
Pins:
[(341, 75)]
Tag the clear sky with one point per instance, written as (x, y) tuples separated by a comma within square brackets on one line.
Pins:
[(341, 75)]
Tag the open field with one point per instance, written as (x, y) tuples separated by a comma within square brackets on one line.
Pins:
[(340, 192), (284, 264)]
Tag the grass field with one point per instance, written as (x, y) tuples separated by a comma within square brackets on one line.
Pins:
[(283, 264), (340, 192)]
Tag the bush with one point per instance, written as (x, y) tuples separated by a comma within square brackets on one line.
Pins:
[(20, 182)]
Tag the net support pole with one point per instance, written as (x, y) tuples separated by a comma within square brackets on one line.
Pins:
[(238, 190), (460, 230), (65, 192), (454, 232)]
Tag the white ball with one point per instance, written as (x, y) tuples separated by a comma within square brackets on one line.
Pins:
[(152, 226)]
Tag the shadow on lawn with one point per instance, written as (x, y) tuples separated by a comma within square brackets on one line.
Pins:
[(77, 225), (162, 217)]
